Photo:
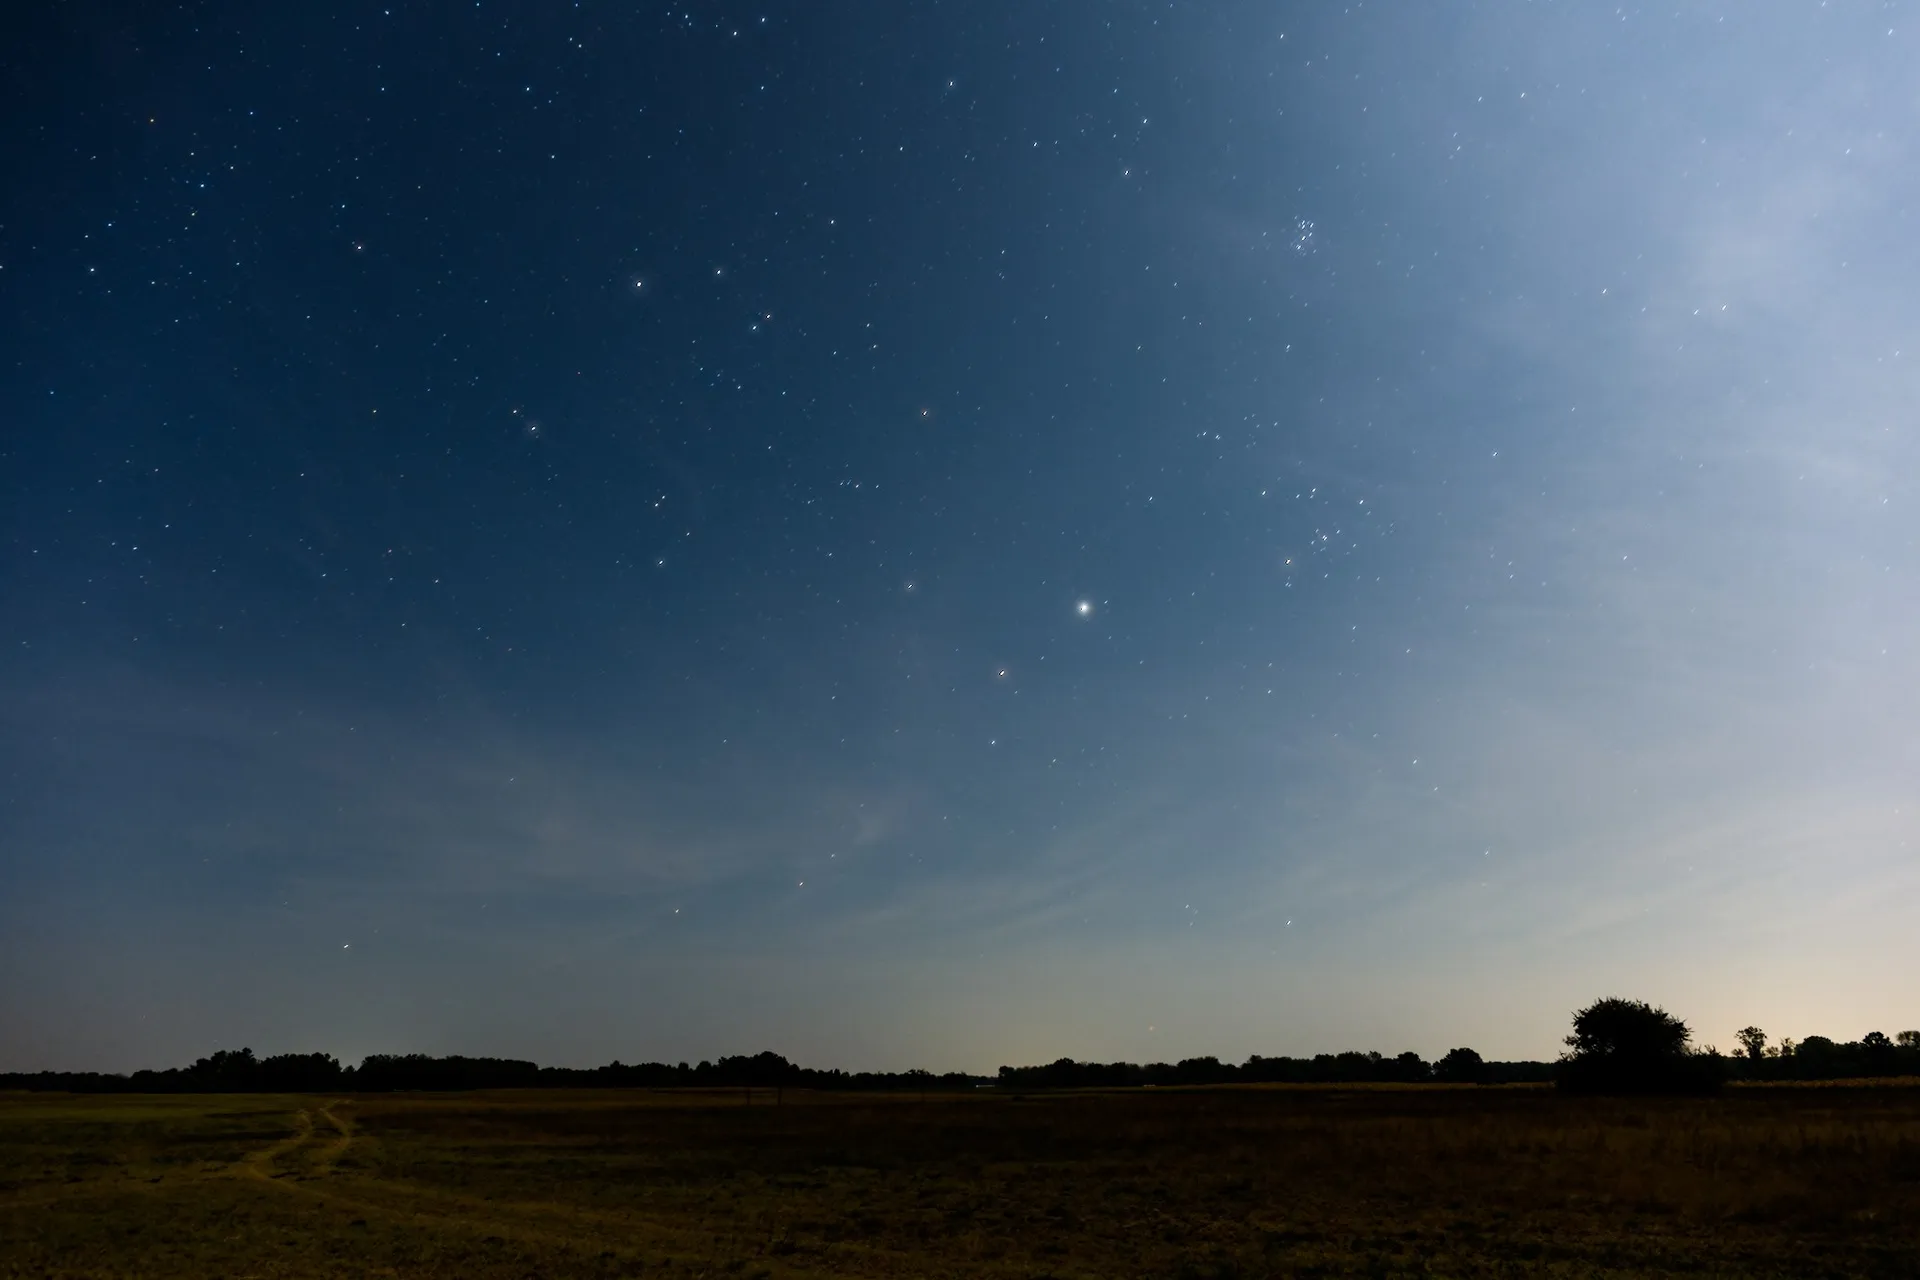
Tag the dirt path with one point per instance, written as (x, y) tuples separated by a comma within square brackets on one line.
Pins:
[(343, 1138), (255, 1164), (304, 1164), (260, 1164)]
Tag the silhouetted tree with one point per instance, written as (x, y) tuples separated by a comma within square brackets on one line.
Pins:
[(227, 1071), (299, 1073), (1629, 1046), (1207, 1070), (1908, 1039), (390, 1072), (1815, 1058), (1753, 1042), (1460, 1066), (1877, 1054)]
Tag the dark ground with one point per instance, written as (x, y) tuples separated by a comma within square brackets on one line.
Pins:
[(1375, 1181)]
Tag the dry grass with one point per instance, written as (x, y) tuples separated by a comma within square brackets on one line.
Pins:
[(1230, 1183)]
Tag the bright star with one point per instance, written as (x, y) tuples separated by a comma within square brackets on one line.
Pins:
[(1084, 608)]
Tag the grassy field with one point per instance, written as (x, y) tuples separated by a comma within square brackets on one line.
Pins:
[(1232, 1183)]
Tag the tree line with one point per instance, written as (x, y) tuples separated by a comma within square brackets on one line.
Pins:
[(1458, 1066), (1617, 1046), (1630, 1046), (1818, 1058), (239, 1071)]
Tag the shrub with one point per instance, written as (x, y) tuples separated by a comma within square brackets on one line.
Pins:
[(1629, 1046)]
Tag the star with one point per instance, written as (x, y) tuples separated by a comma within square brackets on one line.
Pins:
[(1084, 608)]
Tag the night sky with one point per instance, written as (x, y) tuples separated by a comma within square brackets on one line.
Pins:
[(941, 534)]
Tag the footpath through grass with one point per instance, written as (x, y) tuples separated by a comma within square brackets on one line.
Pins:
[(1227, 1183)]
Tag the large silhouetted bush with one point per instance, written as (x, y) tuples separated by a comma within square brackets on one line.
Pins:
[(1629, 1046), (1460, 1066)]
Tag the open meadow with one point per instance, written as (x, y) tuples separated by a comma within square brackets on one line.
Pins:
[(1382, 1181)]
